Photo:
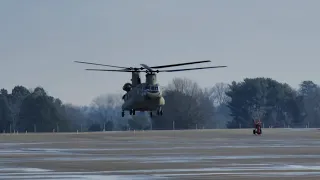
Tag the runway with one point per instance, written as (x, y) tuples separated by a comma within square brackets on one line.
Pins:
[(148, 155)]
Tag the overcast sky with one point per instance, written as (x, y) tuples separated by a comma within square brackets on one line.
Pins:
[(40, 39)]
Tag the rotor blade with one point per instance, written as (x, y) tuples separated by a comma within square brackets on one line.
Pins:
[(180, 64), (146, 67), (112, 70), (100, 64), (175, 70)]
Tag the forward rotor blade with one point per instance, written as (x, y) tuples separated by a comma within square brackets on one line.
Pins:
[(180, 64), (146, 67), (100, 64), (175, 70), (112, 70)]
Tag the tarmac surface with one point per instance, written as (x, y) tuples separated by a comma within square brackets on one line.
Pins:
[(191, 154)]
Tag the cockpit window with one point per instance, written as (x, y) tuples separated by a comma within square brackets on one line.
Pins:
[(153, 88)]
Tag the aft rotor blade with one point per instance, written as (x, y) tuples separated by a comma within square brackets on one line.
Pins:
[(146, 67), (180, 64), (112, 70), (82, 62), (175, 70)]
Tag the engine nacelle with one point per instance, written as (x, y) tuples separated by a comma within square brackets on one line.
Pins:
[(127, 87)]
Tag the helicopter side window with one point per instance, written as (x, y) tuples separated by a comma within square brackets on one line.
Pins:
[(153, 88)]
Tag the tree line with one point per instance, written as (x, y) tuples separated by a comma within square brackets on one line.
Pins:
[(188, 106)]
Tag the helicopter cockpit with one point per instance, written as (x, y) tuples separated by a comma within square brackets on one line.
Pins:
[(152, 88)]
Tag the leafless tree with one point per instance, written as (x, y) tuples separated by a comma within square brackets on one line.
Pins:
[(257, 112), (108, 106), (218, 93), (140, 121), (185, 86), (107, 101), (186, 104), (219, 100)]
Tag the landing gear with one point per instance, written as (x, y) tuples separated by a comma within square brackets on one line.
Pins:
[(159, 112), (132, 112), (122, 114)]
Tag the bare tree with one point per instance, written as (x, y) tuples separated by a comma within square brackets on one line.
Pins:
[(185, 86), (108, 107), (218, 93), (256, 112), (140, 121), (219, 99), (77, 116), (186, 104), (259, 112), (108, 101)]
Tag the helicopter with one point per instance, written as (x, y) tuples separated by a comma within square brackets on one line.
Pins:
[(145, 96)]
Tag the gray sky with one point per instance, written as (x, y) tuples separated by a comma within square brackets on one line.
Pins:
[(40, 39)]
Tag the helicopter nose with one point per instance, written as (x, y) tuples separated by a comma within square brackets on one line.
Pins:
[(153, 95)]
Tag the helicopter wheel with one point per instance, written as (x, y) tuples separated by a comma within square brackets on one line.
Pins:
[(159, 112), (150, 113), (133, 112), (122, 114)]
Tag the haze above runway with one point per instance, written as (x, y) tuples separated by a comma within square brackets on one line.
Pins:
[(191, 154)]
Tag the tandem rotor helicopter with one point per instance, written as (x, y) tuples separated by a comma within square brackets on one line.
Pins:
[(145, 96)]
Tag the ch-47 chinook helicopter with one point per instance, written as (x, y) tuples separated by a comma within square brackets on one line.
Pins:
[(145, 96)]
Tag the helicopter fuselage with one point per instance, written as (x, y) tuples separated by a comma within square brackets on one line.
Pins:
[(143, 98), (152, 104)]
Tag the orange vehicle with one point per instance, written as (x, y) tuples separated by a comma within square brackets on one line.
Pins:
[(257, 126)]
